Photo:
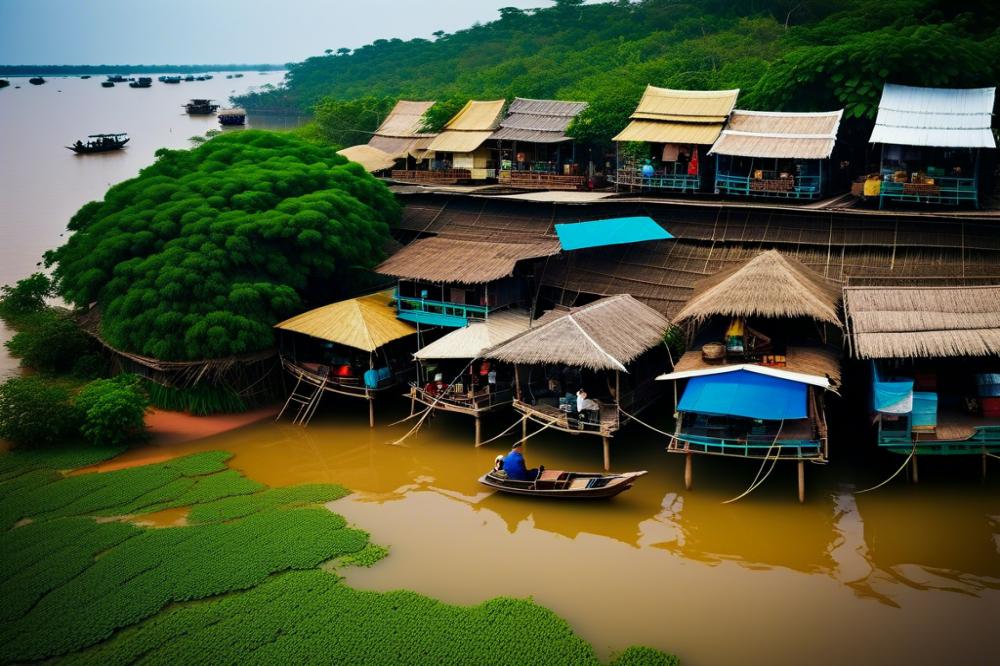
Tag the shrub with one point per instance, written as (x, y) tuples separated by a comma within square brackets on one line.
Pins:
[(200, 400), (25, 297), (51, 342), (34, 412), (112, 411)]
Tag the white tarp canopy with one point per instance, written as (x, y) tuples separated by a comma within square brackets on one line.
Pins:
[(936, 117)]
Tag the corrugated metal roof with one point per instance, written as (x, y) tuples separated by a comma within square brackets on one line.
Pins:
[(474, 339), (779, 135), (538, 120), (405, 119), (477, 116), (372, 159), (458, 142), (690, 105), (670, 132), (937, 117)]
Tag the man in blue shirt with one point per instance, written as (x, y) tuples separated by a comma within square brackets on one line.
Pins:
[(513, 465)]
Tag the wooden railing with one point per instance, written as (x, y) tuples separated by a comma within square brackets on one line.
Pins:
[(532, 180), (791, 187), (440, 177), (633, 178)]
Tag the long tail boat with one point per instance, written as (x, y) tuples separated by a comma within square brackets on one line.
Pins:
[(564, 485), (100, 143)]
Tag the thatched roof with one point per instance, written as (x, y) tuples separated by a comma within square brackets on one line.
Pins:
[(469, 128), (405, 120), (538, 120), (365, 323), (769, 285), (923, 322), (445, 259), (679, 116), (604, 335), (472, 340)]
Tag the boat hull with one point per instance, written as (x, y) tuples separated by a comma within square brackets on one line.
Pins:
[(615, 484)]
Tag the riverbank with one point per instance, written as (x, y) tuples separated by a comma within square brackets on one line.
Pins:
[(82, 585)]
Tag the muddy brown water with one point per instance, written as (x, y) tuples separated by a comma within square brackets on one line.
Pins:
[(907, 574)]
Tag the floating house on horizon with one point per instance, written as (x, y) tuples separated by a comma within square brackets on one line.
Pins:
[(534, 150), (679, 126), (398, 143), (753, 384), (774, 154), (931, 140), (934, 353)]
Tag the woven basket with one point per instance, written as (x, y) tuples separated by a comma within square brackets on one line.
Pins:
[(713, 351)]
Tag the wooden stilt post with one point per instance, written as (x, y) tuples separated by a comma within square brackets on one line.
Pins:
[(413, 401), (524, 428), (607, 454), (984, 465), (688, 471), (802, 481), (913, 469), (479, 430), (371, 412)]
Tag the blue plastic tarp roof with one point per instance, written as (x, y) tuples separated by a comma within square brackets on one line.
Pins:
[(616, 231), (745, 394)]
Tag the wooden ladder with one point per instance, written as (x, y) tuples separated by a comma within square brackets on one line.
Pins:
[(307, 402)]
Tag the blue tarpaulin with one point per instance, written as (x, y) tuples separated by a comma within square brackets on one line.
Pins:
[(924, 410), (891, 396), (746, 394), (616, 231)]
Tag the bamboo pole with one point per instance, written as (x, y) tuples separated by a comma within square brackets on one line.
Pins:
[(371, 412), (607, 454), (913, 469), (479, 430), (802, 481)]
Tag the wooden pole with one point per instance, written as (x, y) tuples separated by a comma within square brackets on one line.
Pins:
[(479, 430), (984, 465), (802, 481), (688, 471), (371, 412), (413, 401), (913, 469), (607, 454)]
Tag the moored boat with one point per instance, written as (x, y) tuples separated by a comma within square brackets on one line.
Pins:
[(117, 78), (189, 77), (201, 107), (232, 117), (107, 84), (36, 80), (100, 143), (170, 79), (141, 82), (564, 485), (85, 76)]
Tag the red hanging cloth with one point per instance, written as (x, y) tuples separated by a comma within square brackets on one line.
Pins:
[(693, 164)]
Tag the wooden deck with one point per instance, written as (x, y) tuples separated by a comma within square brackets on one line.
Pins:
[(954, 425), (551, 416)]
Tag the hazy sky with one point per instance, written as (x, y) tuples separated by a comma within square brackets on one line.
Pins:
[(91, 32)]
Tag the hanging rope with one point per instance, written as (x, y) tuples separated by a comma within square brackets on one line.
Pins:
[(430, 407), (643, 423), (403, 420), (537, 432), (895, 474), (757, 483), (991, 455), (516, 423)]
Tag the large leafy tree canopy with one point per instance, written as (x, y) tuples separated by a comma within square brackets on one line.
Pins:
[(202, 253), (783, 54)]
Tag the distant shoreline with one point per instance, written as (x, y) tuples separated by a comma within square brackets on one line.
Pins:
[(75, 70)]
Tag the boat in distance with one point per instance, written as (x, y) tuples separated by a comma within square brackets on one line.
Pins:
[(100, 143), (564, 485)]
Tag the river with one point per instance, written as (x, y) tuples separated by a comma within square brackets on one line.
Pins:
[(906, 574)]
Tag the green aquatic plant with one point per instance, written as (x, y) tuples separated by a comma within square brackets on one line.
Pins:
[(202, 253)]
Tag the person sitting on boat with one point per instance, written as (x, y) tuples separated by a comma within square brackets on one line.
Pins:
[(586, 408), (513, 465)]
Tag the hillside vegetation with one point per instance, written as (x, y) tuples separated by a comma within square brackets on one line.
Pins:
[(783, 54)]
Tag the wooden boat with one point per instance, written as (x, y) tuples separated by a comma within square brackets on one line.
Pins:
[(170, 79), (201, 107), (85, 76), (565, 485), (117, 78), (36, 80), (100, 143), (107, 84), (141, 82)]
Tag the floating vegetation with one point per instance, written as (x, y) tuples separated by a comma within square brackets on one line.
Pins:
[(241, 579)]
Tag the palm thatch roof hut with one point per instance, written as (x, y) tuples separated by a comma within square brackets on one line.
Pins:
[(325, 361), (463, 261), (769, 285), (399, 137), (604, 335)]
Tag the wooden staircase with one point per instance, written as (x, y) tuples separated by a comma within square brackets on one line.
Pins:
[(307, 401)]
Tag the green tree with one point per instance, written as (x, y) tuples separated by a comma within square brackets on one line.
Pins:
[(36, 413), (112, 411), (201, 254), (25, 297)]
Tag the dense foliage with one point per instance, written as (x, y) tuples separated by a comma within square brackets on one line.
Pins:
[(112, 410), (240, 581), (25, 297), (783, 54), (35, 412), (52, 342), (201, 254)]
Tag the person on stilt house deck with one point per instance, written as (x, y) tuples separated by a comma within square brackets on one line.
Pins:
[(587, 409), (515, 468)]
